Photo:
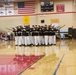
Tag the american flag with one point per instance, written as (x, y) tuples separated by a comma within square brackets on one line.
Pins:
[(27, 7)]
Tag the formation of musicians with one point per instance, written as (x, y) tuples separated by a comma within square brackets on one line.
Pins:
[(36, 35)]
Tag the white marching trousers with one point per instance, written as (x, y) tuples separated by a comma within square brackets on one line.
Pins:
[(46, 39), (31, 40), (36, 40), (42, 40), (16, 40), (27, 40), (20, 40), (39, 40), (50, 40), (23, 40), (54, 39)]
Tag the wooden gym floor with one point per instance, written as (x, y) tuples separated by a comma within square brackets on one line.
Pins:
[(56, 60)]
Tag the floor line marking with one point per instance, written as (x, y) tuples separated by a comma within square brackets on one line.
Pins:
[(58, 65)]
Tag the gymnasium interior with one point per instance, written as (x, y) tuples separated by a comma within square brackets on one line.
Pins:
[(38, 58)]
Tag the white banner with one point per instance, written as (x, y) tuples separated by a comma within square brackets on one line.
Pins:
[(2, 10), (7, 9), (10, 11)]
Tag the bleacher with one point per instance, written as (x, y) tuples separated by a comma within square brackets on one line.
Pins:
[(67, 33)]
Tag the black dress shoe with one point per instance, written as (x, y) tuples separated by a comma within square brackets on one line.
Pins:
[(16, 45), (54, 44), (20, 45), (50, 45), (23, 45)]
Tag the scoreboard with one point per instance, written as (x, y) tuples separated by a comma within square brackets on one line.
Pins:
[(47, 6)]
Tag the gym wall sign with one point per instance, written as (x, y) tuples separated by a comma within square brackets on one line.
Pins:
[(26, 20), (60, 8), (54, 21)]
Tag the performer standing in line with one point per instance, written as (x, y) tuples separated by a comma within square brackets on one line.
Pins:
[(54, 26), (50, 35), (20, 36), (15, 30), (35, 34), (46, 35), (42, 35), (38, 37), (23, 36), (28, 35)]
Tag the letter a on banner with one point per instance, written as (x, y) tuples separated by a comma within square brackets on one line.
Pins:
[(26, 20)]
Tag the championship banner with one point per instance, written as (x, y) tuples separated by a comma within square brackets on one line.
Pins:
[(60, 8), (54, 20), (10, 11), (26, 20), (2, 10)]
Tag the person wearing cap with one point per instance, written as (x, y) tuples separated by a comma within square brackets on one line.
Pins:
[(50, 35), (54, 26), (23, 36), (28, 35), (35, 34), (19, 36), (16, 36), (46, 35)]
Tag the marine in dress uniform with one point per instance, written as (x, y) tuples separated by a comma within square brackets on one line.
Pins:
[(19, 36), (50, 35), (54, 29), (28, 35), (46, 37), (23, 36), (35, 34), (15, 30)]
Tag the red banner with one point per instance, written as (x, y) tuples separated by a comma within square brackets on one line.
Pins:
[(60, 8)]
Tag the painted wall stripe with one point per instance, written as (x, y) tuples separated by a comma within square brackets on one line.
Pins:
[(39, 14)]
